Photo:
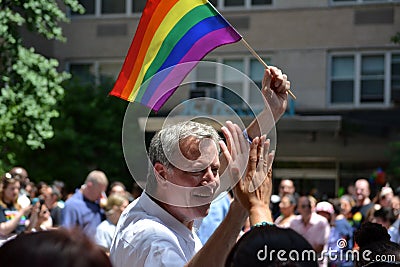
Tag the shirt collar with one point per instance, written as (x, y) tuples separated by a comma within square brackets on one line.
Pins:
[(154, 210)]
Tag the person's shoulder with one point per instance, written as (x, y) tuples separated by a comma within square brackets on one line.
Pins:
[(296, 221), (105, 225), (318, 219), (77, 196)]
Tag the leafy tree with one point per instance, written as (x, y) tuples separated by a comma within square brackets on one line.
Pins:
[(87, 136), (30, 83), (396, 38)]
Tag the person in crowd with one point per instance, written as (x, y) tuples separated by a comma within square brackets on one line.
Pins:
[(117, 188), (341, 234), (347, 203), (22, 175), (51, 199), (396, 205), (61, 247), (116, 203), (60, 185), (260, 246), (374, 243), (13, 218), (154, 232), (286, 187), (287, 208), (218, 210), (43, 219), (83, 209), (386, 196), (363, 202), (313, 227), (386, 218)]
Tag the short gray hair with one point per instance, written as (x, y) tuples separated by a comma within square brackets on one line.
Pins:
[(167, 139), (97, 177)]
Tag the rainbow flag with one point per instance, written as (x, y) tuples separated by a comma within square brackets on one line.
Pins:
[(171, 38)]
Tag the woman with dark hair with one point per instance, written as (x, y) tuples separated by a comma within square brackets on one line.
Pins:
[(62, 248), (376, 249), (287, 207), (269, 245)]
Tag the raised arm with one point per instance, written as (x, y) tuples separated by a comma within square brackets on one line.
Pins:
[(274, 89)]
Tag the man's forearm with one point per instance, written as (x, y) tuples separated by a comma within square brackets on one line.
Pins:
[(267, 123), (218, 246)]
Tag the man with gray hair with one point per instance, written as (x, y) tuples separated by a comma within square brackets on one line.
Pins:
[(82, 209), (157, 229)]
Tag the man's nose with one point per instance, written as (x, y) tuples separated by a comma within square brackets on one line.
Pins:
[(209, 176)]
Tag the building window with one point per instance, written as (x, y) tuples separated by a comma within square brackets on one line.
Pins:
[(82, 72), (342, 79), (128, 7), (138, 6), (234, 3), (361, 79), (235, 90), (96, 72), (395, 82), (221, 4), (113, 7), (360, 1), (372, 79), (89, 5), (261, 2)]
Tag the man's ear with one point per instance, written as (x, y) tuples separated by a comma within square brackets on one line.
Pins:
[(160, 170)]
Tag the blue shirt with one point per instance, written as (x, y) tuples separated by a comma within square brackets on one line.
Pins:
[(216, 215), (81, 212)]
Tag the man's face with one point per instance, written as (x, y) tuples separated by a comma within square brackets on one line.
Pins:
[(96, 190), (286, 187), (362, 190), (303, 206), (201, 177)]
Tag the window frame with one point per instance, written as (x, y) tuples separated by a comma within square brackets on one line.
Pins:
[(387, 98), (360, 2), (129, 12), (246, 61)]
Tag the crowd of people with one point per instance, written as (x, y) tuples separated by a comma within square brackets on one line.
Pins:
[(172, 222)]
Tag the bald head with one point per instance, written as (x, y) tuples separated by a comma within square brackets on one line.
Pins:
[(362, 192), (286, 187), (19, 172), (95, 184)]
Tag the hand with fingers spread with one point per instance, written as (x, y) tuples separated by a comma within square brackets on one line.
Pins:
[(255, 188), (235, 152)]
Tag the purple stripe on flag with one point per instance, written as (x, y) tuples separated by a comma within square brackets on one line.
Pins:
[(201, 48)]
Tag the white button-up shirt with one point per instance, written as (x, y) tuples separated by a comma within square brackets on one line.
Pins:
[(147, 235)]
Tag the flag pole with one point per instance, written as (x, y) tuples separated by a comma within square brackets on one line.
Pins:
[(262, 61)]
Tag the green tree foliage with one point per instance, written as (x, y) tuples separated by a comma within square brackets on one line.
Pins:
[(87, 136), (30, 83), (396, 38)]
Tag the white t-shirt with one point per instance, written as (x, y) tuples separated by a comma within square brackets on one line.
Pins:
[(104, 234), (147, 235)]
